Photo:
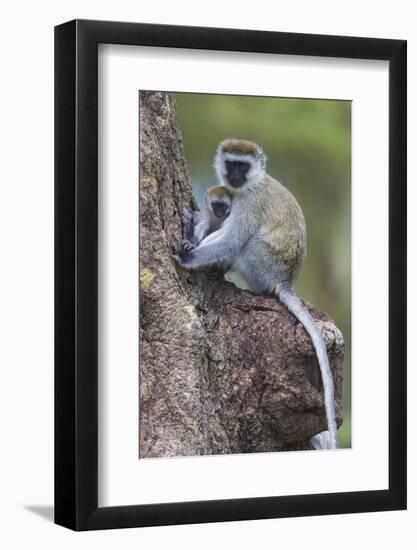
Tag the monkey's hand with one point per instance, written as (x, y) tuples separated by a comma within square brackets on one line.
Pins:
[(187, 245), (182, 254)]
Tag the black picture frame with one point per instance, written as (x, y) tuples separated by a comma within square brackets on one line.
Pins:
[(76, 272)]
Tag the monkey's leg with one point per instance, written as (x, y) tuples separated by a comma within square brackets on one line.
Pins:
[(187, 224), (188, 229), (195, 229), (259, 268)]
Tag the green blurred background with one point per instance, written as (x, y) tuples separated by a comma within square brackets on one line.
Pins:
[(308, 143)]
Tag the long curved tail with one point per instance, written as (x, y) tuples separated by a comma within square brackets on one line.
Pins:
[(288, 297)]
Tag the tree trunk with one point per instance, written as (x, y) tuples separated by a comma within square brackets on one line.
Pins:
[(221, 370)]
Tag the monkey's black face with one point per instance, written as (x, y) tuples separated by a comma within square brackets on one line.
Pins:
[(220, 209), (236, 172)]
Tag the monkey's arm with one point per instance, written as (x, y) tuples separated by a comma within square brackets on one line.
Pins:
[(189, 220), (195, 228), (201, 230), (218, 247)]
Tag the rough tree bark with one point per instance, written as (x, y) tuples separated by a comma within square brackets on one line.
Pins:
[(221, 370)]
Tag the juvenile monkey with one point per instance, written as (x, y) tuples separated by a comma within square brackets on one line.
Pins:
[(198, 225), (264, 241)]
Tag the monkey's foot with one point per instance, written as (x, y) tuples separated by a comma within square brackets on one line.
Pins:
[(332, 336)]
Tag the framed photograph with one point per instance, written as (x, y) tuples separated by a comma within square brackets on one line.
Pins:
[(230, 252)]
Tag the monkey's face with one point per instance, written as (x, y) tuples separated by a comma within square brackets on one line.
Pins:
[(221, 209), (236, 172), (240, 165)]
